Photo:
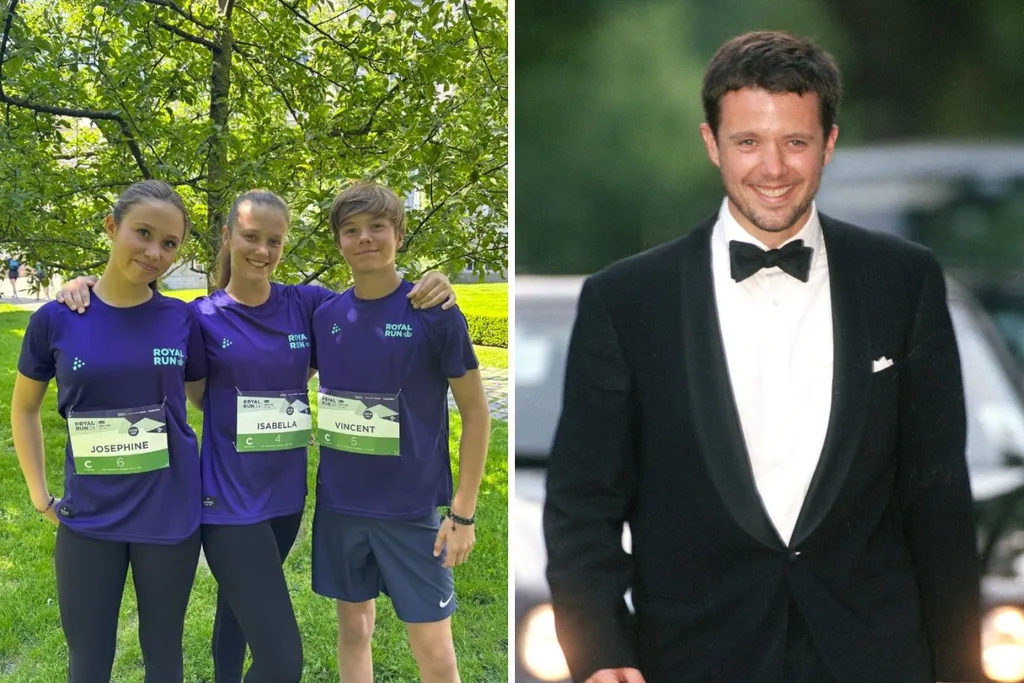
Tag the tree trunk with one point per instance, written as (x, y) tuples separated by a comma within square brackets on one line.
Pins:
[(217, 165)]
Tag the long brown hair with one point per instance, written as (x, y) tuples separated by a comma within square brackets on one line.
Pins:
[(258, 196)]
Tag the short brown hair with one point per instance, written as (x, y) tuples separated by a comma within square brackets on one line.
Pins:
[(775, 61), (369, 198)]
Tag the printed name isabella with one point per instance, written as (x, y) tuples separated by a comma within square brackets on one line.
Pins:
[(274, 426)]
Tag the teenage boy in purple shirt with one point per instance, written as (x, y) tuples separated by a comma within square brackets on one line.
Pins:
[(131, 465), (385, 369)]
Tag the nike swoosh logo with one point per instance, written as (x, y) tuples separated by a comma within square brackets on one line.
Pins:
[(444, 603)]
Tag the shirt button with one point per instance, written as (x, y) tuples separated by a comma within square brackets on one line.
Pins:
[(775, 302), (793, 555)]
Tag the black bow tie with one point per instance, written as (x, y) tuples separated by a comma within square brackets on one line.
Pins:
[(745, 259)]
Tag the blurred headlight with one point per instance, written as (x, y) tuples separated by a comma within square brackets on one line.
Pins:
[(540, 652), (1002, 639)]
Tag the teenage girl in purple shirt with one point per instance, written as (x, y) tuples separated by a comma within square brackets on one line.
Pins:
[(131, 476)]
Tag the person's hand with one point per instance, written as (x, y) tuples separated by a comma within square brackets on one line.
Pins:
[(49, 509), (75, 293), (616, 676), (459, 538), (432, 290)]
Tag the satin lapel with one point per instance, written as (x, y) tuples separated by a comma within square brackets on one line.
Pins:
[(850, 376), (715, 416)]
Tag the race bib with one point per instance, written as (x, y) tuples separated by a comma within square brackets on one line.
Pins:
[(358, 422), (272, 421), (119, 441)]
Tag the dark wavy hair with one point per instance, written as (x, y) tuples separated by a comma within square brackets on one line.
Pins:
[(775, 61)]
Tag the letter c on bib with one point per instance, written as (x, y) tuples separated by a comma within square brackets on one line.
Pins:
[(248, 441), (327, 437), (88, 464)]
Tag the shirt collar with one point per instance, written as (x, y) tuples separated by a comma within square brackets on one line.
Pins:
[(728, 229)]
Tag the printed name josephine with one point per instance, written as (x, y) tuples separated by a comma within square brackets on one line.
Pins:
[(121, 448)]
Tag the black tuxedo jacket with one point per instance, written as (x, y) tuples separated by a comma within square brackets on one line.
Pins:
[(882, 564)]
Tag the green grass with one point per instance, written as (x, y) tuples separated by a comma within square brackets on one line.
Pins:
[(483, 299), (492, 357), (32, 646)]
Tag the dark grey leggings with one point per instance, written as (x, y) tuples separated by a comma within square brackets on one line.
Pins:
[(90, 584), (253, 604)]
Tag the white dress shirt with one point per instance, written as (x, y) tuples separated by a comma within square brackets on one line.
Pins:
[(777, 336)]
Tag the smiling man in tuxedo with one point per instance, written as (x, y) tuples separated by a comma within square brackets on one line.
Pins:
[(774, 405)]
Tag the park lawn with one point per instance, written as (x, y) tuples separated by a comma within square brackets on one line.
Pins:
[(32, 646), (492, 357), (483, 299)]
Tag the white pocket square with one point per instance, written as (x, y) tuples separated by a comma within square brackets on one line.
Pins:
[(880, 364)]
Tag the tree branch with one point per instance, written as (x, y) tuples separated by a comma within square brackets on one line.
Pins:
[(320, 271), (365, 128), (93, 188), (462, 256), (437, 207), (178, 10), (116, 183), (306, 20), (185, 34), (480, 50), (94, 115)]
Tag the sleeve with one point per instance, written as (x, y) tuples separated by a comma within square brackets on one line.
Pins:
[(195, 366), (934, 487), (449, 338), (591, 484), (313, 296), (37, 359), (313, 344)]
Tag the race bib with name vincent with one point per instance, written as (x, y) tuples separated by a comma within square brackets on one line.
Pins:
[(357, 422)]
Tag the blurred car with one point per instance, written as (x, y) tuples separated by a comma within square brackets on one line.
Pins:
[(963, 200), (545, 311)]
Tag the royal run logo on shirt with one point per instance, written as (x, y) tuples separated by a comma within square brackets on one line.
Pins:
[(397, 330), (168, 356), (298, 341)]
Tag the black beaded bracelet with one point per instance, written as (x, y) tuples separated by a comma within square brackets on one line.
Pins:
[(458, 519), (48, 505)]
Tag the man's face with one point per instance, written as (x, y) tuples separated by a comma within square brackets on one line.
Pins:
[(771, 151)]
